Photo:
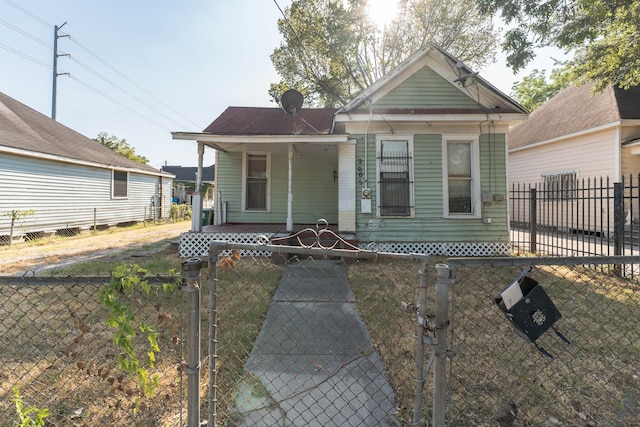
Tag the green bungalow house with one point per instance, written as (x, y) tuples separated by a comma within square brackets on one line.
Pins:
[(415, 163)]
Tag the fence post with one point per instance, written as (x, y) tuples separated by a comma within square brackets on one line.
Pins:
[(533, 221), (95, 220), (421, 372), (443, 280), (191, 274), (215, 248), (618, 223)]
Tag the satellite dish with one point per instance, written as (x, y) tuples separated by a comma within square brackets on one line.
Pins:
[(292, 101)]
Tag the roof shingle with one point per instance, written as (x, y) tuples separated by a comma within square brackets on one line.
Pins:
[(24, 128), (272, 121), (573, 110)]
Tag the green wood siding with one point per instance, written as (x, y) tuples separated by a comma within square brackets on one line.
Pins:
[(315, 194), (425, 89), (429, 225)]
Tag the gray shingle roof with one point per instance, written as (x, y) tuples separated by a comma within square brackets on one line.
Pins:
[(24, 128), (576, 109)]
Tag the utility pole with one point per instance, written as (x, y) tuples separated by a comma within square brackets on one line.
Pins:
[(55, 67)]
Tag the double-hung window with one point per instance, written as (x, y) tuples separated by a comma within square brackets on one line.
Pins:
[(119, 184), (461, 176), (395, 176), (256, 181)]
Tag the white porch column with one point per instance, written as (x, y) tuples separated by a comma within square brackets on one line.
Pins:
[(347, 174), (290, 192), (196, 201)]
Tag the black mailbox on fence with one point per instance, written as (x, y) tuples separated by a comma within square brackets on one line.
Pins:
[(529, 309)]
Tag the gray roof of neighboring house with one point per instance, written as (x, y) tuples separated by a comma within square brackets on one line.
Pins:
[(188, 173), (576, 109), (24, 128)]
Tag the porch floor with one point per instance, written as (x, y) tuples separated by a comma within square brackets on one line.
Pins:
[(277, 228)]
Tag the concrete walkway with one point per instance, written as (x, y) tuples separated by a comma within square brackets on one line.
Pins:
[(313, 363)]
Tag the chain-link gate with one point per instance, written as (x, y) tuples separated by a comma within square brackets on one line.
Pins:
[(320, 333)]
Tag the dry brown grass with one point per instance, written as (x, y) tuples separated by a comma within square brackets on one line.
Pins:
[(62, 356), (592, 381)]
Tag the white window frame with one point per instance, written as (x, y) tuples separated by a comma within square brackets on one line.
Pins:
[(409, 139), (476, 199), (113, 184), (245, 157)]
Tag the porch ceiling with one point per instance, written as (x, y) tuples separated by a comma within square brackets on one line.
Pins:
[(261, 142)]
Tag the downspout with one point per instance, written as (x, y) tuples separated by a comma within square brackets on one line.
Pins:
[(290, 192), (366, 143)]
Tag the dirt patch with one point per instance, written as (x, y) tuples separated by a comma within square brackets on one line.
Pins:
[(31, 257)]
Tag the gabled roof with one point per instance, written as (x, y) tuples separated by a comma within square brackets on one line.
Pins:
[(272, 121), (576, 109), (484, 97), (188, 173), (25, 131)]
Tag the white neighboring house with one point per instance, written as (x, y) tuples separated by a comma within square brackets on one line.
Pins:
[(68, 182), (578, 135)]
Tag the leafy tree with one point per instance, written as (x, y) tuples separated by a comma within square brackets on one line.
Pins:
[(602, 33), (534, 90), (331, 49), (120, 146)]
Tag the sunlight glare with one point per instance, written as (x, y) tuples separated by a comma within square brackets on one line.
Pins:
[(382, 11)]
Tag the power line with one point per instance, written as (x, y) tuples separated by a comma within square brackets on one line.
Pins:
[(24, 33), (127, 93), (29, 13), (88, 86), (137, 86), (107, 64), (25, 56)]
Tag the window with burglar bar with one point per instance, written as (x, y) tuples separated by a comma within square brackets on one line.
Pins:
[(395, 185), (560, 186)]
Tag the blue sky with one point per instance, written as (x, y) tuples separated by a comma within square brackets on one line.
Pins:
[(142, 69)]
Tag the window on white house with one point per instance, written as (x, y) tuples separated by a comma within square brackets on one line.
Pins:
[(120, 184), (256, 181), (560, 186), (461, 176), (395, 177)]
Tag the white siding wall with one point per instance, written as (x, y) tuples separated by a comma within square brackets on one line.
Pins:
[(66, 196), (591, 155)]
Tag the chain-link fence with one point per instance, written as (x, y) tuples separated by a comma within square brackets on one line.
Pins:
[(498, 372), (91, 350), (302, 336), (33, 224), (335, 342)]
